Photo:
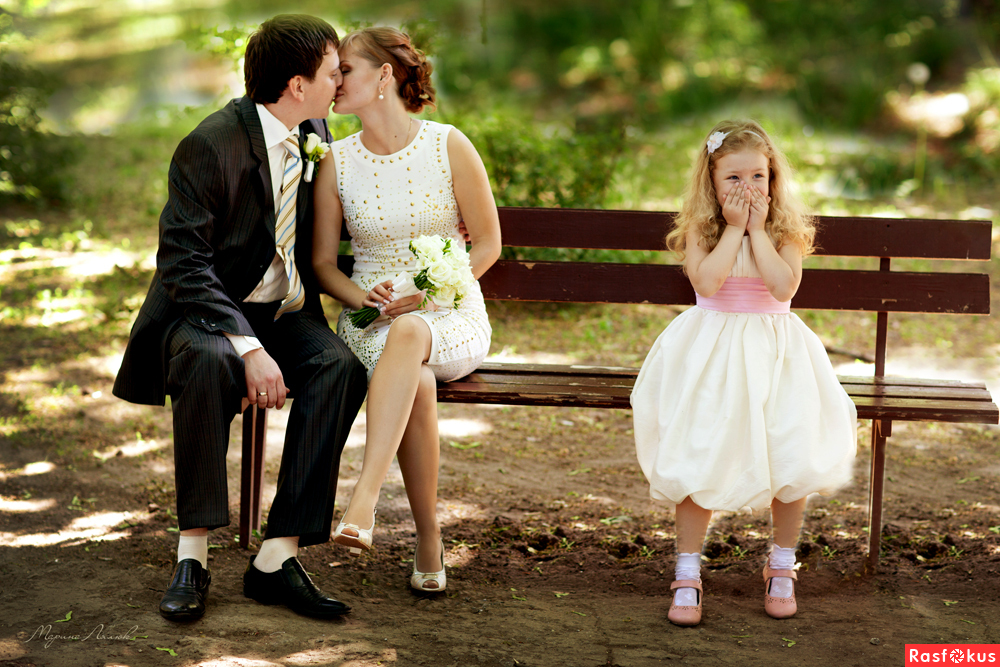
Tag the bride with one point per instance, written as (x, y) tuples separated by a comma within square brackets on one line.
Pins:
[(395, 180)]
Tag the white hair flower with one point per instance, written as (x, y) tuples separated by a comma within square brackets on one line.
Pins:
[(715, 141)]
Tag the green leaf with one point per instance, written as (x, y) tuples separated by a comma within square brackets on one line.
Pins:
[(578, 471), (790, 644), (134, 606), (560, 595), (969, 622), (458, 445), (516, 597), (69, 616), (168, 650), (949, 603), (741, 636), (616, 519), (139, 637), (578, 613), (971, 478)]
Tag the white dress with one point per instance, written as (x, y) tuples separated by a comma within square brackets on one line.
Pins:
[(388, 201), (736, 408)]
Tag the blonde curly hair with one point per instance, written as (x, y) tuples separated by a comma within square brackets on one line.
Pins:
[(787, 221)]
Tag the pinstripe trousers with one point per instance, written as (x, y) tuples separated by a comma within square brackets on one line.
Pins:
[(207, 382)]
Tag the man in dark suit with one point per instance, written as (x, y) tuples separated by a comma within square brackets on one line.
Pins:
[(231, 317)]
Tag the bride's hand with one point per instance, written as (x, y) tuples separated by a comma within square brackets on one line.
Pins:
[(379, 295), (404, 305)]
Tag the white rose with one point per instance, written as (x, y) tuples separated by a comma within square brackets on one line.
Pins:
[(403, 285), (442, 274), (429, 249), (314, 148), (457, 258), (312, 142), (444, 298)]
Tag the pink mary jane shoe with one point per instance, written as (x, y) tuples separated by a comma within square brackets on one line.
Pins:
[(685, 615), (778, 607)]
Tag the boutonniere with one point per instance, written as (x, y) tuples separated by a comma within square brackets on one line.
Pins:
[(314, 151)]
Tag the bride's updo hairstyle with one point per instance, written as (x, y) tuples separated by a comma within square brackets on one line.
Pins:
[(410, 66)]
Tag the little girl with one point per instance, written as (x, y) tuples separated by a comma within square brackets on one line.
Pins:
[(737, 404)]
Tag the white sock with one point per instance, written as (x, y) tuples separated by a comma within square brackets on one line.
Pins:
[(688, 568), (193, 546), (782, 559), (274, 552)]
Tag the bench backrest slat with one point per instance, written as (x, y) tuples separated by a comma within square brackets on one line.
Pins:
[(826, 289), (645, 230)]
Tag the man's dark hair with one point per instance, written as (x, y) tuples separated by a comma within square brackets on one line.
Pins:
[(285, 46)]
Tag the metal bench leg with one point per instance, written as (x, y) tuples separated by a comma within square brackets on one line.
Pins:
[(881, 429), (252, 471)]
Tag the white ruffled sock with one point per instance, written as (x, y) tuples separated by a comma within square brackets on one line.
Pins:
[(782, 559), (193, 546), (688, 568)]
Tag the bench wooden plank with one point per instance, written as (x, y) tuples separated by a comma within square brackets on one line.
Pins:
[(827, 289), (514, 381), (607, 371), (869, 407), (912, 238), (646, 230)]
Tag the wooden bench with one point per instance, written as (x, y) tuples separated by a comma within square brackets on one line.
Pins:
[(881, 399)]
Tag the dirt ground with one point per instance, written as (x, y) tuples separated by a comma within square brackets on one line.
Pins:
[(556, 555)]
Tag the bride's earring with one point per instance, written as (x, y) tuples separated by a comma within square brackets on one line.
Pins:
[(380, 95)]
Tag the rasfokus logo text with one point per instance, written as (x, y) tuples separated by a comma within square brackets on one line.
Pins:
[(951, 654)]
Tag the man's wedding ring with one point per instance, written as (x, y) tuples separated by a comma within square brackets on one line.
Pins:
[(262, 393)]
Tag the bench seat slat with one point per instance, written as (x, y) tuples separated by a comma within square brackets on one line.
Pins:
[(939, 393), (620, 371), (828, 289), (869, 407)]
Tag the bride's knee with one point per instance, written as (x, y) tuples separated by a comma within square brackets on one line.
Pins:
[(409, 329)]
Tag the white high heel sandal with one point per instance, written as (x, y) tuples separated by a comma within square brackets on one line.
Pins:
[(419, 580), (355, 543)]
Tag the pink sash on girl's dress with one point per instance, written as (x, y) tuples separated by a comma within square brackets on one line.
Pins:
[(743, 295)]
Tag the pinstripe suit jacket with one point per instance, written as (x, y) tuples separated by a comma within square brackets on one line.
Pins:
[(216, 242)]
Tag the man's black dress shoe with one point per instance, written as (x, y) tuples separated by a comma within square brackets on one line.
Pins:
[(185, 598), (292, 587)]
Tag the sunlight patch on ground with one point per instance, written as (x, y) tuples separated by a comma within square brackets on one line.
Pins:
[(38, 468), (919, 362), (234, 661), (136, 448), (508, 356), (12, 649), (26, 505), (329, 654), (99, 527), (461, 428)]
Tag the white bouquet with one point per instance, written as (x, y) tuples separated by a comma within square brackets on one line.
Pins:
[(443, 269)]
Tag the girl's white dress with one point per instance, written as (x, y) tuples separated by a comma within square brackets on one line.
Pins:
[(388, 201), (736, 408)]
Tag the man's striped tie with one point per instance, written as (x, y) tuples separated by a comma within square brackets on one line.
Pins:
[(284, 230)]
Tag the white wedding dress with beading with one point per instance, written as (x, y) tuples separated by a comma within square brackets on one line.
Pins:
[(388, 201)]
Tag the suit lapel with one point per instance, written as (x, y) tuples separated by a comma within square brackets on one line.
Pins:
[(251, 121)]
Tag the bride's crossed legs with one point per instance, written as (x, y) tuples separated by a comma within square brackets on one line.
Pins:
[(402, 422)]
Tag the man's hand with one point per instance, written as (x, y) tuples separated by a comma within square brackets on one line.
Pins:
[(464, 232), (265, 385)]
